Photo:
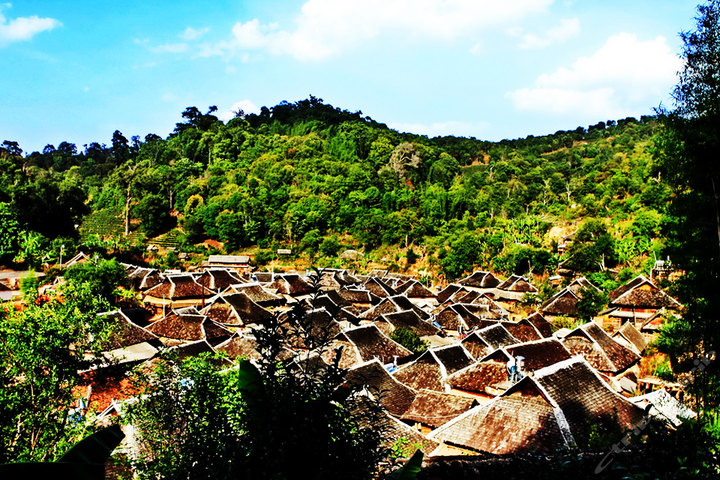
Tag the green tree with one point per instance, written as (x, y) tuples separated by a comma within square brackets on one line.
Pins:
[(409, 339), (152, 210), (689, 151), (9, 229)]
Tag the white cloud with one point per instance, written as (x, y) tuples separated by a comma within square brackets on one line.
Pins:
[(623, 75), (326, 28), (246, 106), (193, 34), (568, 28), (439, 129), (23, 28)]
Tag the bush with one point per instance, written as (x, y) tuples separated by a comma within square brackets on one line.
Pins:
[(409, 339)]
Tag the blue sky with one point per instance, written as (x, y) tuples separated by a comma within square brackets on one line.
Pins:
[(78, 70)]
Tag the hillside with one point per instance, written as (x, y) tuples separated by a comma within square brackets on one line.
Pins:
[(318, 180)]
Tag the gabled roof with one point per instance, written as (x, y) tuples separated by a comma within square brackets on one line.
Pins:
[(127, 333), (523, 330), (480, 279), (379, 288), (540, 324), (586, 401), (411, 320), (371, 344), (497, 336), (641, 293), (505, 425), (359, 296), (436, 408), (239, 346), (240, 310), (632, 336), (601, 351), (425, 372), (476, 346), (179, 326), (393, 395), (218, 279), (452, 357), (476, 377), (562, 303), (539, 353), (446, 293), (291, 284), (257, 294), (179, 287), (517, 283), (414, 289), (340, 314)]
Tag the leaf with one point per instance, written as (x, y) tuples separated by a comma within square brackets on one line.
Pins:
[(411, 468)]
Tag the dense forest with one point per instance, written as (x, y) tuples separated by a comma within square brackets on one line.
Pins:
[(319, 179)]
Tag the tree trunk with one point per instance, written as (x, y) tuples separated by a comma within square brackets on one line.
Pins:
[(127, 211)]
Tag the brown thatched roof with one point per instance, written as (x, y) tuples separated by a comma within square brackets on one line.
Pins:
[(415, 289), (585, 400), (291, 284), (540, 353), (518, 284), (480, 280), (632, 336), (641, 293), (476, 377), (599, 349), (355, 296), (541, 324), (239, 346), (393, 395), (371, 344), (505, 425), (349, 356), (435, 408), (476, 346), (179, 326), (497, 336), (257, 294), (453, 357), (127, 333), (379, 288), (218, 279), (446, 293), (523, 330), (562, 303), (425, 372), (179, 287), (411, 320)]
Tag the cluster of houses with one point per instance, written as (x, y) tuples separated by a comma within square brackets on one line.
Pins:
[(493, 379)]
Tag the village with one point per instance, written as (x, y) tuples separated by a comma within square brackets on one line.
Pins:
[(495, 378)]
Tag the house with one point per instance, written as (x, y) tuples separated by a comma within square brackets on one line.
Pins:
[(257, 294), (565, 302), (497, 336), (431, 409), (559, 407), (430, 369), (410, 320), (177, 291), (394, 396), (239, 263), (514, 289), (638, 301), (236, 310), (218, 279), (372, 344), (599, 349), (481, 281)]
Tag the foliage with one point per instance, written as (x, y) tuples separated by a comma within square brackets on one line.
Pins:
[(591, 303), (463, 255), (409, 339), (101, 276), (42, 349), (258, 422), (689, 147)]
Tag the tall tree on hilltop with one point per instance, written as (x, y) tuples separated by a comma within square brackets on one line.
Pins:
[(690, 150)]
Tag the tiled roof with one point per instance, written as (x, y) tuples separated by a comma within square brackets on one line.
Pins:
[(453, 357), (505, 425), (480, 280), (436, 408), (239, 346), (371, 343), (411, 320), (393, 395), (476, 377), (476, 346), (424, 372), (540, 353), (523, 330), (641, 293), (540, 324), (497, 336)]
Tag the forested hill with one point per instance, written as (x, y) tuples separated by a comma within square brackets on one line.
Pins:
[(319, 179)]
